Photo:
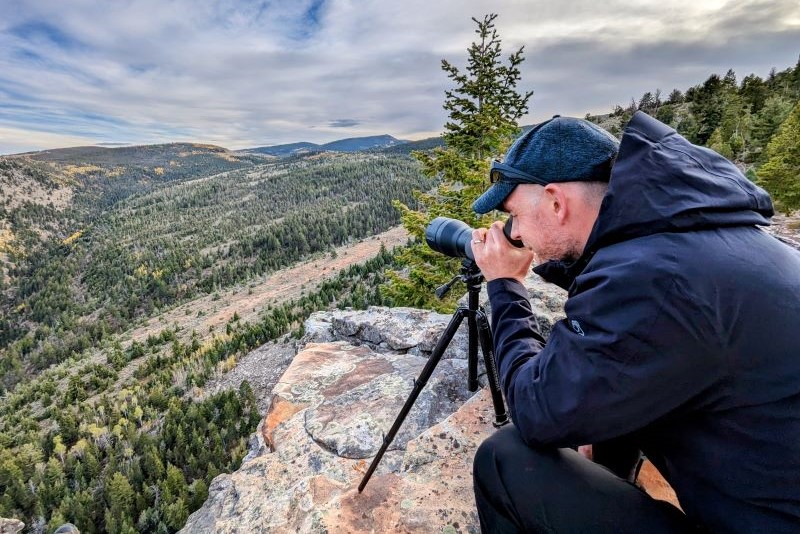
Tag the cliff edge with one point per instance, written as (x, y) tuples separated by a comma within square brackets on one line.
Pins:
[(326, 418)]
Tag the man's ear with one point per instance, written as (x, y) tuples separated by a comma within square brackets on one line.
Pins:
[(557, 201)]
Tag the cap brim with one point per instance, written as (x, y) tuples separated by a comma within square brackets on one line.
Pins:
[(493, 198)]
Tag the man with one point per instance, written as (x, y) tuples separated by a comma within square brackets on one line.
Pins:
[(680, 337)]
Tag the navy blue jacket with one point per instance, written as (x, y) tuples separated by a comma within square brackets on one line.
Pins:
[(682, 329)]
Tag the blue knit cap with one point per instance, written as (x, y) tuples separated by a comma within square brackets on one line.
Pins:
[(562, 149)]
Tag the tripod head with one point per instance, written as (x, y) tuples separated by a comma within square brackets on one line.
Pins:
[(470, 274)]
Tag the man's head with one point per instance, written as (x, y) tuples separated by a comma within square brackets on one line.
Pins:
[(552, 181)]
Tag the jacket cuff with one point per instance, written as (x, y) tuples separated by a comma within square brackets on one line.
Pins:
[(502, 286)]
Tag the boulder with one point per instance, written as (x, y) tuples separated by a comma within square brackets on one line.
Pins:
[(10, 526), (326, 422), (401, 330), (67, 528)]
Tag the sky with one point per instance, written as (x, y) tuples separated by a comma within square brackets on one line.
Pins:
[(246, 73)]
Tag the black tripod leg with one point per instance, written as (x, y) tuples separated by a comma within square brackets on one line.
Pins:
[(472, 347), (419, 383), (487, 347)]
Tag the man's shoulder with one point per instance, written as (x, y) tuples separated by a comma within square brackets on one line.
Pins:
[(646, 259)]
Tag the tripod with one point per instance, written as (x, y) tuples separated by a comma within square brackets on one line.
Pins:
[(479, 331)]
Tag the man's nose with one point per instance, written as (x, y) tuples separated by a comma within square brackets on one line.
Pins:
[(515, 228)]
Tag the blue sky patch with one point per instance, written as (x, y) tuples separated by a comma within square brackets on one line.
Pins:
[(36, 31)]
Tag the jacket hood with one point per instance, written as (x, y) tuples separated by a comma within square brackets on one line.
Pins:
[(663, 183)]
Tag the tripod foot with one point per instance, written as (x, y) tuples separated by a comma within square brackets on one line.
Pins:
[(501, 421)]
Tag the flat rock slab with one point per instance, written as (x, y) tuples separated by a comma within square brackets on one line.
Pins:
[(326, 422)]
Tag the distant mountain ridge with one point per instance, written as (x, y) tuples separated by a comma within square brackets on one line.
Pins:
[(141, 155), (351, 144), (90, 172)]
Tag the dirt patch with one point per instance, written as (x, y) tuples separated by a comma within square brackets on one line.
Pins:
[(211, 312)]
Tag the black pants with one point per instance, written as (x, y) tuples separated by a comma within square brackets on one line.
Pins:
[(522, 489)]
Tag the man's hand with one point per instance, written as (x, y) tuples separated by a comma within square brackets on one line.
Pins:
[(496, 257)]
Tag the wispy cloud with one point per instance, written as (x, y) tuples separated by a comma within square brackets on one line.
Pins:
[(344, 123), (252, 73)]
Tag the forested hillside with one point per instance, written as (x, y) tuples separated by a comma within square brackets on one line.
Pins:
[(104, 176), (353, 144), (97, 427), (51, 193), (156, 249), (736, 118)]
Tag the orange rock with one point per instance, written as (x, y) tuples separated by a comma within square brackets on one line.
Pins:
[(279, 411)]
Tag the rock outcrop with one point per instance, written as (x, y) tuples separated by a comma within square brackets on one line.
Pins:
[(10, 526), (326, 420), (325, 424)]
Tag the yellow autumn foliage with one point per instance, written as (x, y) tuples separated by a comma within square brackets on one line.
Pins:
[(73, 237), (6, 237), (226, 365), (74, 170)]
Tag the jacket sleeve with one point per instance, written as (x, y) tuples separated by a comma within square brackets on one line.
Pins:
[(624, 356)]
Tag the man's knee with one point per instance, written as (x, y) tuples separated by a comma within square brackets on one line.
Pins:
[(522, 488), (484, 460), (492, 453), (495, 505), (504, 454)]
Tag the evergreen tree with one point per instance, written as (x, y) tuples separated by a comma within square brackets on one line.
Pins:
[(766, 123), (647, 103), (719, 145), (120, 498), (675, 97), (754, 92), (708, 102), (780, 175), (483, 108), (731, 137)]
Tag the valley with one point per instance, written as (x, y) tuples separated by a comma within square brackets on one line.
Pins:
[(128, 284)]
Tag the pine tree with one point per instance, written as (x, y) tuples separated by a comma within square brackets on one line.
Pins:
[(647, 102), (754, 92), (708, 102), (731, 137), (675, 97), (483, 108), (780, 175), (766, 123), (120, 498)]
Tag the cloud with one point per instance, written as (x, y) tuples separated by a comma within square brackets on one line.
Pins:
[(344, 123), (253, 73)]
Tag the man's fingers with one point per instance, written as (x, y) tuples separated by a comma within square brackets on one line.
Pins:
[(495, 234), (479, 236)]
